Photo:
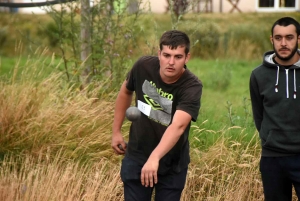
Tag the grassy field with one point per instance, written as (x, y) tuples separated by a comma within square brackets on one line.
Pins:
[(55, 145), (55, 138), (53, 135)]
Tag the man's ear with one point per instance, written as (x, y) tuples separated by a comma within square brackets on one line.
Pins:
[(271, 39), (187, 58), (158, 53)]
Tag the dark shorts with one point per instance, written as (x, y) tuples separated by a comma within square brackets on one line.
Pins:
[(279, 175), (168, 188)]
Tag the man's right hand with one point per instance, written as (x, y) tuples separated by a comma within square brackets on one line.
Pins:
[(118, 144)]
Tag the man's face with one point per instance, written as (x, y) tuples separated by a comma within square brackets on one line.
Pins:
[(285, 42), (172, 63)]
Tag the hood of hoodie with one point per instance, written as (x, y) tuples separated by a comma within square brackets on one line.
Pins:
[(268, 62)]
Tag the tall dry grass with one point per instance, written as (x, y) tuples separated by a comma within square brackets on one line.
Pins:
[(25, 179), (227, 171), (39, 116)]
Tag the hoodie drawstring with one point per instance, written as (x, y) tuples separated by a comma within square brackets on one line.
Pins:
[(276, 84), (295, 88), (287, 83)]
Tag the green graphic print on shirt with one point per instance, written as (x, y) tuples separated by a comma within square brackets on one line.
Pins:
[(159, 103)]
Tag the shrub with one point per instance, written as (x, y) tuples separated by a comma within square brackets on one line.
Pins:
[(241, 41), (205, 39), (95, 44)]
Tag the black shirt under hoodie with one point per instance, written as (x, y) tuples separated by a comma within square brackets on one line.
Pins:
[(275, 97)]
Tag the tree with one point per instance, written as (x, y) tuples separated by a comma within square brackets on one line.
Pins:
[(178, 7), (85, 42)]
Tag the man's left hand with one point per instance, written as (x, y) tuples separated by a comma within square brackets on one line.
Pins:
[(149, 173)]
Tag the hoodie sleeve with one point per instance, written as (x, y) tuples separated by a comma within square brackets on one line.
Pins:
[(256, 101)]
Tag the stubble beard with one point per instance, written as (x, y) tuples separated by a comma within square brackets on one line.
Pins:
[(287, 58)]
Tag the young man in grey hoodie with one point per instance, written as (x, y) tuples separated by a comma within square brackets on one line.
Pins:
[(275, 101)]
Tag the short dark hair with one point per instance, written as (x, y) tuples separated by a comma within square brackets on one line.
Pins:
[(286, 21), (175, 38)]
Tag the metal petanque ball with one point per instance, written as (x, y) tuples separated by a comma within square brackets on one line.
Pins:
[(133, 113), (120, 146)]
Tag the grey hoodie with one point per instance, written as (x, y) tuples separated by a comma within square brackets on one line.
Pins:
[(275, 98)]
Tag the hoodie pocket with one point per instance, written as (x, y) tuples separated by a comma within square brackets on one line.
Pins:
[(283, 141)]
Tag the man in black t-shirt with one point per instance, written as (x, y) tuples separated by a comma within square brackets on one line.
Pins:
[(168, 96)]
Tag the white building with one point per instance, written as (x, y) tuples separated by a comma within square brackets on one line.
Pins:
[(226, 6), (215, 6)]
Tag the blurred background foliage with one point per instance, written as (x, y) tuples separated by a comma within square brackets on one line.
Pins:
[(119, 36), (214, 35)]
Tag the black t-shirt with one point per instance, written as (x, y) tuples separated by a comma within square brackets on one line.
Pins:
[(158, 102)]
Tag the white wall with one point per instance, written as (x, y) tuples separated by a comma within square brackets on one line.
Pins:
[(28, 10), (243, 5), (159, 6)]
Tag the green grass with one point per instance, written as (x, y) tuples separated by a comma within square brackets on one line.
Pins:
[(14, 67), (223, 104), (215, 97), (7, 64)]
